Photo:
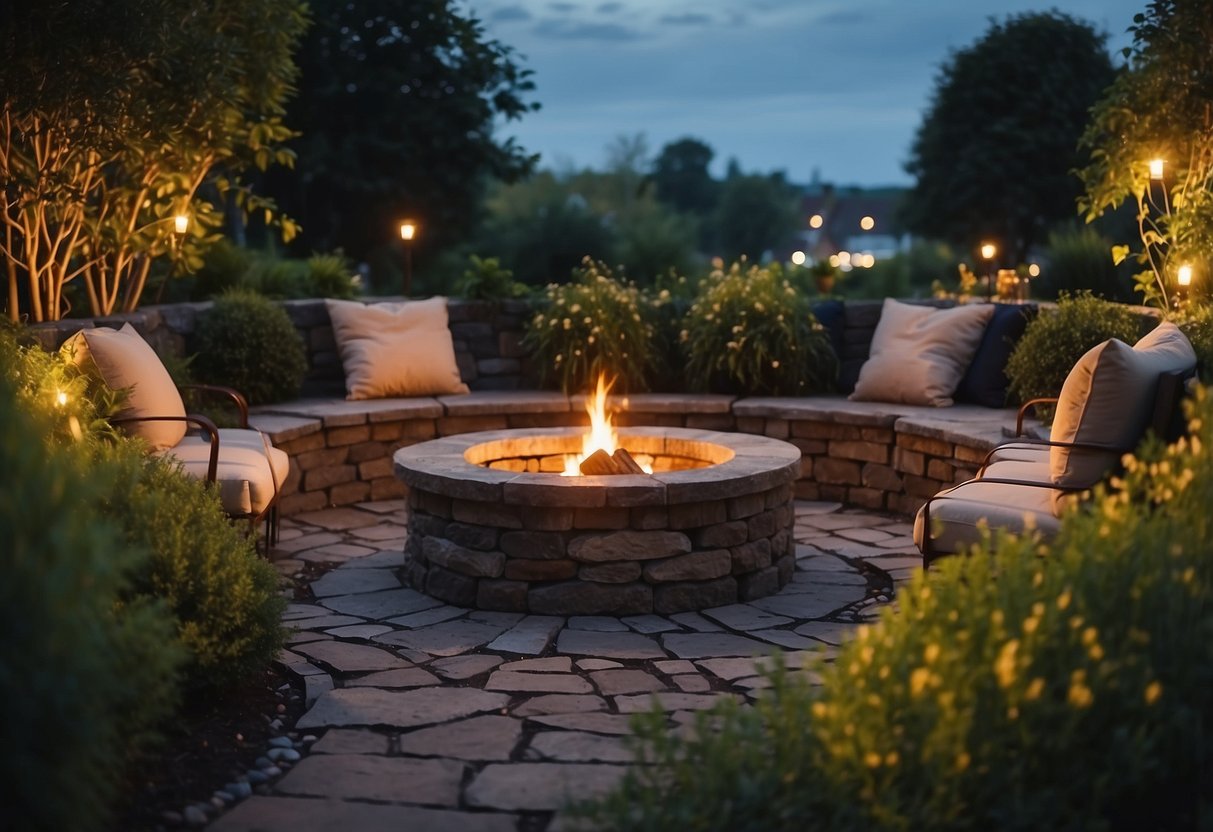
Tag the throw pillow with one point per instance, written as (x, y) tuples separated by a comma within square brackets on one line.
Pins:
[(985, 382), (126, 361), (1107, 400), (920, 353), (395, 349)]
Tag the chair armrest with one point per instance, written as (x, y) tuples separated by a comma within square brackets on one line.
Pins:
[(197, 420), (1050, 443), (1023, 409), (226, 392)]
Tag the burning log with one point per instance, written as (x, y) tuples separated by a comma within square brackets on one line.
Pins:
[(601, 463)]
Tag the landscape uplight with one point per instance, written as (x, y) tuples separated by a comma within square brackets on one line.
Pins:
[(181, 223), (408, 230), (1184, 276), (1156, 166)]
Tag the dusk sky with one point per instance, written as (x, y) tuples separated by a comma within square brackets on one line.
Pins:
[(833, 86)]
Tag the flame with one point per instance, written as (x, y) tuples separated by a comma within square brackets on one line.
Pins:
[(602, 433)]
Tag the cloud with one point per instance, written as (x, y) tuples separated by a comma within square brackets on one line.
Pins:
[(563, 8), (691, 19), (573, 30), (842, 18), (510, 14), (609, 8)]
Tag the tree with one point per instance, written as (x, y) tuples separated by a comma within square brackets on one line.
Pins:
[(994, 153), (755, 214), (115, 118), (1159, 109), (397, 106), (682, 178)]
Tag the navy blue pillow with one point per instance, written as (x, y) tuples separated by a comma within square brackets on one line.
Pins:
[(985, 382), (832, 315)]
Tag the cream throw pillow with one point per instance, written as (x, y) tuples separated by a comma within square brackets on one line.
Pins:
[(125, 360), (920, 353), (395, 349), (1108, 399)]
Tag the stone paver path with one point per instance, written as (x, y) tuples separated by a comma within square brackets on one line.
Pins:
[(426, 716)]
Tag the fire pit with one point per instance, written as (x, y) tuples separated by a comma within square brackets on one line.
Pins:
[(494, 524)]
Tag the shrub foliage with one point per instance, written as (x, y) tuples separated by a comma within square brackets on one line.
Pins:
[(249, 343), (1066, 685)]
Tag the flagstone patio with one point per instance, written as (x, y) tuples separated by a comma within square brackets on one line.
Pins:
[(426, 716)]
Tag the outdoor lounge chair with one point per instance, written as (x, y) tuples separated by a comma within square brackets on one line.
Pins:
[(245, 468), (1110, 400)]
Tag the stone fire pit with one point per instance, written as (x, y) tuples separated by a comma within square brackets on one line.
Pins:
[(492, 526)]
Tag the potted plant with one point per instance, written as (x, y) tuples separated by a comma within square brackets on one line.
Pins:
[(824, 275)]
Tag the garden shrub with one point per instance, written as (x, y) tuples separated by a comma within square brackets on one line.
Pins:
[(1081, 260), (223, 595), (329, 276), (594, 324), (1197, 323), (485, 279), (86, 673), (1055, 340), (248, 342), (750, 332), (1065, 685)]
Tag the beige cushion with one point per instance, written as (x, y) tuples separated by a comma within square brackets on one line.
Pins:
[(957, 515), (250, 471), (126, 361), (1021, 452), (919, 353), (1107, 400), (395, 349)]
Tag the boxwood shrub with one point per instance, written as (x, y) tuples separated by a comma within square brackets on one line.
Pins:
[(87, 671), (248, 342), (1066, 685)]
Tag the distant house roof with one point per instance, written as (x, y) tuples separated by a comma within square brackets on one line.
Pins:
[(842, 215)]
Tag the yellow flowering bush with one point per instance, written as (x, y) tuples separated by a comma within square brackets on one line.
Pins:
[(1066, 685), (595, 323), (750, 332)]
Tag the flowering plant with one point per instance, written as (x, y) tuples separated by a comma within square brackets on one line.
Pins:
[(750, 332), (594, 324)]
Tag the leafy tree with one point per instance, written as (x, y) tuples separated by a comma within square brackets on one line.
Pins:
[(682, 177), (994, 153), (755, 214), (115, 118), (1159, 109), (397, 106)]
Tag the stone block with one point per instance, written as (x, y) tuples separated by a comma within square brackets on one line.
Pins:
[(487, 514), (909, 462), (472, 536), (832, 493), (696, 566), (386, 488), (582, 598), (866, 497), (964, 453), (938, 469), (375, 468), (419, 429), (451, 587), (752, 424), (650, 517), (366, 451), (777, 428), (860, 450), (501, 595), (762, 525), (751, 556), (451, 425), (746, 505), (349, 493), (904, 503), (922, 486), (924, 444), (542, 518), (297, 447), (623, 572), (782, 543), (533, 545), (301, 503), (710, 421), (813, 429), (779, 495), (452, 556), (540, 570), (694, 515), (351, 435), (697, 595), (811, 447), (807, 490), (829, 471), (431, 503), (722, 535), (758, 584), (881, 477), (387, 432), (628, 545), (498, 366), (785, 567), (319, 479), (424, 524), (881, 435), (322, 458), (601, 518)]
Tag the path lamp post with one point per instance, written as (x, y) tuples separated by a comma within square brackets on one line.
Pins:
[(988, 251), (408, 230)]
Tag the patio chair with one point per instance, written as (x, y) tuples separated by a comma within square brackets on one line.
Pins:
[(1111, 399), (245, 468)]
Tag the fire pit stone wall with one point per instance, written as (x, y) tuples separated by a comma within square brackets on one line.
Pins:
[(680, 540)]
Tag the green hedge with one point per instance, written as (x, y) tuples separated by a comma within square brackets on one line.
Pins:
[(1064, 686)]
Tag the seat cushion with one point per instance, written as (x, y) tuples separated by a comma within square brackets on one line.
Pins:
[(1021, 452), (1027, 470), (395, 349), (920, 353), (1108, 399), (126, 362), (985, 382), (250, 471), (957, 514)]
